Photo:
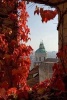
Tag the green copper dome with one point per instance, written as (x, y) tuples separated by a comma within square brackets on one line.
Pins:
[(41, 48)]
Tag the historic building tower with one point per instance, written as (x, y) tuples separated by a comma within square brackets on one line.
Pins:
[(40, 54)]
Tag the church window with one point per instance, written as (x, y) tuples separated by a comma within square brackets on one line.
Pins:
[(36, 59), (39, 58), (44, 58)]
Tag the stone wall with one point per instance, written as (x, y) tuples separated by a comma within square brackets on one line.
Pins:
[(62, 30), (45, 71)]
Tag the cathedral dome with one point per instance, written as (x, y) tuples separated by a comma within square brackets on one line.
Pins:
[(40, 54), (41, 48)]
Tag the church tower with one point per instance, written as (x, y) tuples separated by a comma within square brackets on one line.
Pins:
[(40, 54)]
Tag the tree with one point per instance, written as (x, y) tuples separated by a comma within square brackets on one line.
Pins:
[(14, 53)]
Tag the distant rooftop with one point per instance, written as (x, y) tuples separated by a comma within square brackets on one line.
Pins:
[(51, 60)]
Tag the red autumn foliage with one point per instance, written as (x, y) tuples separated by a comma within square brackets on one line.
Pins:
[(14, 57), (14, 53), (46, 15), (13, 16)]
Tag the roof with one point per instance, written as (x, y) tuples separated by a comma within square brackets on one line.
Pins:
[(31, 82), (34, 70), (41, 48), (40, 51), (35, 79), (51, 60)]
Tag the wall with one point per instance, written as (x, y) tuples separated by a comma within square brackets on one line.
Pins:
[(45, 71), (62, 36), (38, 55)]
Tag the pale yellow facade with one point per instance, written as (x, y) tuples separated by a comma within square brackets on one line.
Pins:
[(45, 71)]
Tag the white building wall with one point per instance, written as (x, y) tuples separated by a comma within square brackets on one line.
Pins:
[(45, 71), (32, 58), (38, 55)]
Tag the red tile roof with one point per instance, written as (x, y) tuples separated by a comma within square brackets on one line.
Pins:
[(34, 70), (31, 82)]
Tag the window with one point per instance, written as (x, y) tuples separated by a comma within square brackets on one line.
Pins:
[(36, 59), (44, 58), (39, 58)]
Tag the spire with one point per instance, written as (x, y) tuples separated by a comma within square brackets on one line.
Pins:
[(41, 46)]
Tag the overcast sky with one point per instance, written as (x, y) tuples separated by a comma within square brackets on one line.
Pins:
[(42, 31)]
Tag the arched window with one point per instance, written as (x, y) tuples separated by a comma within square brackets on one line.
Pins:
[(44, 58), (39, 58), (36, 59)]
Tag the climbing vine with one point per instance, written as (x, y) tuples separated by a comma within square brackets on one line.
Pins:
[(14, 56), (14, 53)]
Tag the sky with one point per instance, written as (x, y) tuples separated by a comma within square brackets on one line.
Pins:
[(46, 32)]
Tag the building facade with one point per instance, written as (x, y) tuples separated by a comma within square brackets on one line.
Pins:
[(45, 69)]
